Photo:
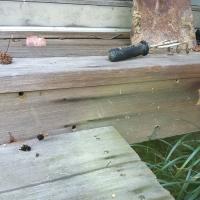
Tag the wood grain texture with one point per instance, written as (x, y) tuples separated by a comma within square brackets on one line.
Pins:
[(115, 3), (63, 47), (134, 109), (105, 33), (65, 15), (92, 164), (29, 74), (196, 15)]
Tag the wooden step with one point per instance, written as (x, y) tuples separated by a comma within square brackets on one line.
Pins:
[(135, 96)]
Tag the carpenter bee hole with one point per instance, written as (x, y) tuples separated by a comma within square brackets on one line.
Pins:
[(21, 94), (73, 127), (177, 80)]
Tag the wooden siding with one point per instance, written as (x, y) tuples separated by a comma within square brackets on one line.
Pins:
[(67, 15), (115, 3), (195, 2), (196, 16), (89, 13)]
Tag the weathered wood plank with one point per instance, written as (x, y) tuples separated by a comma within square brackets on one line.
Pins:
[(91, 2), (123, 20), (115, 3), (69, 154), (28, 74), (92, 164), (63, 32), (195, 2), (196, 15), (134, 109), (66, 15), (63, 48), (99, 185)]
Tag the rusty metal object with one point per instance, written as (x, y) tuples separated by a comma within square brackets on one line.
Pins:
[(158, 20)]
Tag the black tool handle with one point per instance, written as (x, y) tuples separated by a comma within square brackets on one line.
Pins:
[(198, 36), (128, 52)]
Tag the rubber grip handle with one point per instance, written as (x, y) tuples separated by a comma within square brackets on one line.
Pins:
[(198, 36), (128, 52)]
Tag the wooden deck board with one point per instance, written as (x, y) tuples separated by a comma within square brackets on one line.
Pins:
[(64, 48), (21, 32), (29, 74), (133, 109), (93, 164), (134, 96)]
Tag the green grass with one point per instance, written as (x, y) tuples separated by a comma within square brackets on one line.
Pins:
[(176, 163)]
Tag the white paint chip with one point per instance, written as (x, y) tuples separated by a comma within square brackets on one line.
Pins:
[(198, 103), (47, 177), (99, 114), (110, 102)]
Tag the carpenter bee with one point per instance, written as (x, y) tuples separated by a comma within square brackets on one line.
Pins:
[(40, 136), (25, 147)]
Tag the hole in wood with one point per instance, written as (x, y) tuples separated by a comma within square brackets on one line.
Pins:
[(73, 127), (21, 94)]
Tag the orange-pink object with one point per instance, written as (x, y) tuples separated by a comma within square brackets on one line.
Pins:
[(197, 48), (35, 41)]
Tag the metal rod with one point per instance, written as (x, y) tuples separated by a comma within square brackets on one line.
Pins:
[(166, 44)]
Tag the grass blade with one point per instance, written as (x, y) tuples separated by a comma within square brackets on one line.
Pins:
[(174, 148), (195, 194), (188, 160), (173, 162)]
